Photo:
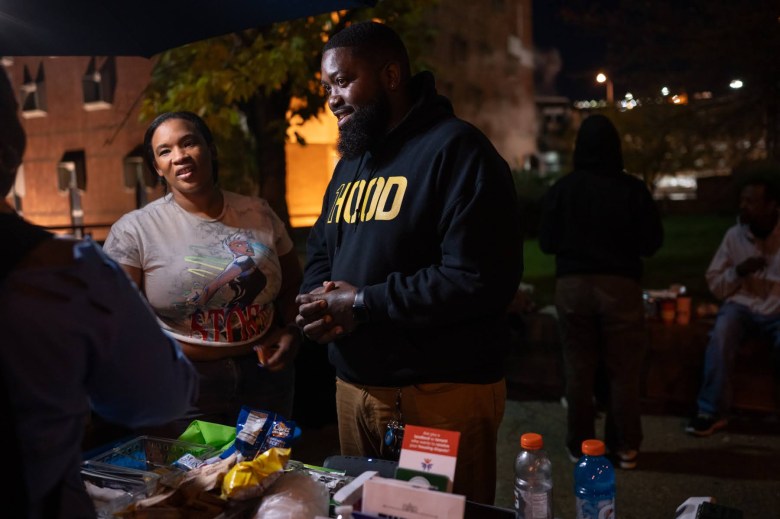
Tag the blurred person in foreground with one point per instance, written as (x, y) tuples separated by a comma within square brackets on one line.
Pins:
[(77, 338), (413, 261), (745, 275), (220, 272), (600, 222)]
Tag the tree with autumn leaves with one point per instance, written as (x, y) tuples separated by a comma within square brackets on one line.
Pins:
[(250, 85)]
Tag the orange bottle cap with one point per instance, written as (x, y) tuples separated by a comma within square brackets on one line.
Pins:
[(531, 441), (593, 448)]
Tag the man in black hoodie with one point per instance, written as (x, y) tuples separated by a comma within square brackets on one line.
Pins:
[(413, 260), (599, 222)]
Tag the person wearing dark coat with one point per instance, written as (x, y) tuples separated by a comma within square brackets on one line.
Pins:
[(600, 222), (412, 262)]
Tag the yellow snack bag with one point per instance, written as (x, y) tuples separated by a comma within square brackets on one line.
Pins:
[(250, 479)]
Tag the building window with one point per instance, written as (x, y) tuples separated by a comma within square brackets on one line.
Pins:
[(476, 95), (459, 49), (485, 50), (99, 85), (72, 171), (72, 182), (137, 177), (34, 93), (18, 190)]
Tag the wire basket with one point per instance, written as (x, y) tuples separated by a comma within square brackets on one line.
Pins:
[(149, 453)]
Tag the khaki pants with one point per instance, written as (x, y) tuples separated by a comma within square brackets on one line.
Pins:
[(475, 410)]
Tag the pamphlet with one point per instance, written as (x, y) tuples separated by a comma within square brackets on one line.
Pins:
[(431, 451)]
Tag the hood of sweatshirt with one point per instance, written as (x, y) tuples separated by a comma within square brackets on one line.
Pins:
[(428, 108), (598, 148)]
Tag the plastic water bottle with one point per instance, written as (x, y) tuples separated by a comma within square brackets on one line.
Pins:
[(533, 479), (594, 483)]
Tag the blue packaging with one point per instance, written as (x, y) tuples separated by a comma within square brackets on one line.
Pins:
[(279, 435), (251, 429)]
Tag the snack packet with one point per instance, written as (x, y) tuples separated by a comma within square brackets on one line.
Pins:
[(251, 429), (249, 479), (279, 435)]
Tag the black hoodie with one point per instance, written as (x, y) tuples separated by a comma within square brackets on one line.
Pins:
[(598, 219), (430, 230)]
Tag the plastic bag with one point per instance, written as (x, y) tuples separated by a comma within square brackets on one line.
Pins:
[(293, 496)]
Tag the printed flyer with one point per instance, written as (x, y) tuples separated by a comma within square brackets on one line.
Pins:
[(430, 451)]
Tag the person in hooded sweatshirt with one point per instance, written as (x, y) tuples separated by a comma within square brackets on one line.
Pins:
[(600, 222), (413, 261)]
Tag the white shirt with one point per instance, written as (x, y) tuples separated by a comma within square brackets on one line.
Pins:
[(210, 282), (759, 291)]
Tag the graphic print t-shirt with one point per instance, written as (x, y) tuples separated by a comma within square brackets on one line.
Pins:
[(210, 282)]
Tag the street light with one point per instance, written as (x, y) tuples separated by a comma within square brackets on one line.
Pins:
[(602, 78), (736, 84)]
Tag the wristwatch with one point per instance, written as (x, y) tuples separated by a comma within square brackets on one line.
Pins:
[(359, 308)]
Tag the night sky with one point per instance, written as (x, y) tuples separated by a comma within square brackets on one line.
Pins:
[(581, 53)]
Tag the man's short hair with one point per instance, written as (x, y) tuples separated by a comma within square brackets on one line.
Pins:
[(760, 173), (371, 41), (771, 190)]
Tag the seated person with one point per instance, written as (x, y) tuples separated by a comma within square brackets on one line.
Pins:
[(745, 274)]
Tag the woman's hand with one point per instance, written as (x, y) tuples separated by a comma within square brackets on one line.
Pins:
[(278, 348)]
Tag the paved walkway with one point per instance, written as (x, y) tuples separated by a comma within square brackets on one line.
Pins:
[(740, 467)]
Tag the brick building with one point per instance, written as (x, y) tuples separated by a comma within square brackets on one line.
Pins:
[(81, 114), (81, 119), (483, 60)]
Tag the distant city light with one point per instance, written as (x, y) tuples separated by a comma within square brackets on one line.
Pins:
[(684, 181), (629, 103), (665, 91), (681, 186), (736, 83), (629, 96)]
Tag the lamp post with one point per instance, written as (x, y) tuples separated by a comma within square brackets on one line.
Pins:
[(602, 78)]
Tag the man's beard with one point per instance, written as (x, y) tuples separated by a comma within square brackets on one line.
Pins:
[(366, 125)]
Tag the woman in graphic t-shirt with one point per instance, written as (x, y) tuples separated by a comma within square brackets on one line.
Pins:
[(220, 271)]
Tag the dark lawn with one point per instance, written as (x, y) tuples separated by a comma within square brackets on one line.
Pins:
[(689, 243)]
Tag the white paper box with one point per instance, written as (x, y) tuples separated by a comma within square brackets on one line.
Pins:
[(395, 498)]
